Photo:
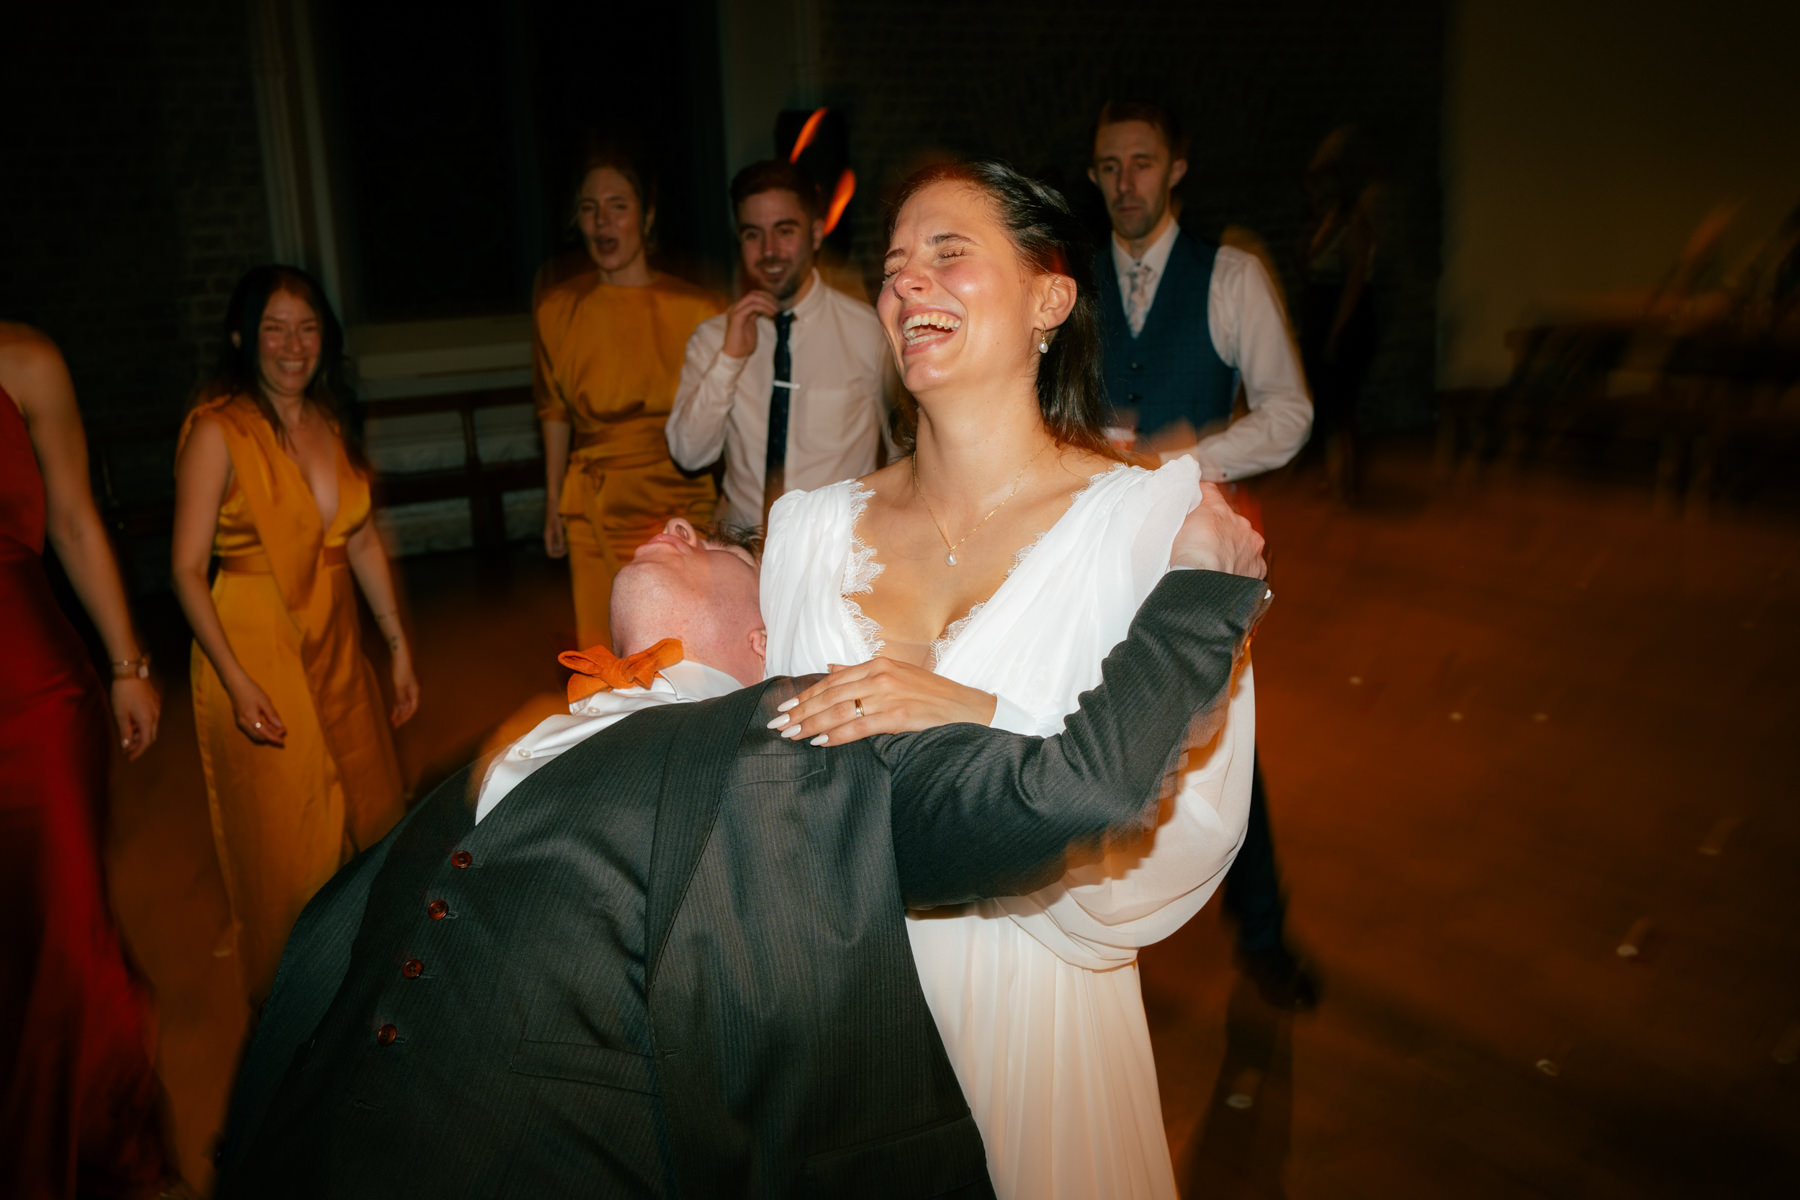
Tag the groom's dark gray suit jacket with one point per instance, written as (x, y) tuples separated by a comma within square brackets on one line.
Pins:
[(674, 961)]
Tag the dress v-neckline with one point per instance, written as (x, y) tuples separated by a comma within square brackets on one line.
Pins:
[(337, 463), (865, 568)]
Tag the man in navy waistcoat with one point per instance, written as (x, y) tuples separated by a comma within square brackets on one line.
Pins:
[(1187, 323)]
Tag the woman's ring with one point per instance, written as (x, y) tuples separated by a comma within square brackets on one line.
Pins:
[(256, 725), (859, 711)]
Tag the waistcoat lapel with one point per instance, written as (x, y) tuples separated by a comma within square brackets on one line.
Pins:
[(701, 756)]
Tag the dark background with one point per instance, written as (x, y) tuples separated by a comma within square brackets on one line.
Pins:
[(452, 134), (135, 192)]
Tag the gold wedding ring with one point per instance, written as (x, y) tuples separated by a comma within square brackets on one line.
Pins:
[(858, 704)]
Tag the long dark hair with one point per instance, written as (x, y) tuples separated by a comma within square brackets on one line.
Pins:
[(238, 373), (1071, 387)]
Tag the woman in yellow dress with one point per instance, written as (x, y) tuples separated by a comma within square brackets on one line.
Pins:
[(300, 765), (609, 346)]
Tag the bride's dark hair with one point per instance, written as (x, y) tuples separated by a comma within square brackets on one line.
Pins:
[(1048, 236)]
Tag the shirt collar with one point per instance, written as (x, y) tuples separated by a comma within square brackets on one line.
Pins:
[(1156, 257), (695, 681), (815, 296), (684, 680)]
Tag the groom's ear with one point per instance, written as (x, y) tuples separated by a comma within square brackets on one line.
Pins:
[(759, 644)]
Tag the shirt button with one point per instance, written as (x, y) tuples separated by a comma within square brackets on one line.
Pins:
[(438, 909), (386, 1035), (522, 752), (461, 858), (413, 968)]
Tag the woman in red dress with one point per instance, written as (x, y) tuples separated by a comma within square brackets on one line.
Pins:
[(80, 1106)]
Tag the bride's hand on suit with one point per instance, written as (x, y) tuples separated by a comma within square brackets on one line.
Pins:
[(879, 696)]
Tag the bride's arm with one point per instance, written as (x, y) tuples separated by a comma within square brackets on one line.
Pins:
[(887, 696), (1142, 887)]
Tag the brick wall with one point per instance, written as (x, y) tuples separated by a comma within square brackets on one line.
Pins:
[(131, 200), (1259, 87), (133, 191)]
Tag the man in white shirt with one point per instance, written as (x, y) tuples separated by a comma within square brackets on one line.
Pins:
[(791, 383), (659, 948), (1187, 322)]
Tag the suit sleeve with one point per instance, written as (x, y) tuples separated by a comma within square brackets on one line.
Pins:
[(981, 812)]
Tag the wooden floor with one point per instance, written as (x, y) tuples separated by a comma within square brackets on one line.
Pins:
[(1506, 728)]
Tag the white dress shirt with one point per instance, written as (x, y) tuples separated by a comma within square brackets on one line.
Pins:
[(553, 735), (1250, 333), (837, 411)]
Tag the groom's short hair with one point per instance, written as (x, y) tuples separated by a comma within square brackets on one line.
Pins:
[(748, 538)]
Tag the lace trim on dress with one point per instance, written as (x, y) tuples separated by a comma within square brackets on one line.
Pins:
[(953, 630), (860, 574)]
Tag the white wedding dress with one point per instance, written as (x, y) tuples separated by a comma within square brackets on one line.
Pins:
[(1037, 996)]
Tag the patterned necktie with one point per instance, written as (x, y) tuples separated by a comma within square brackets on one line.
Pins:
[(1137, 304), (775, 459)]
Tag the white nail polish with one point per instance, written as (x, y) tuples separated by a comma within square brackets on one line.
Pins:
[(792, 732), (778, 722), (821, 739), (787, 704)]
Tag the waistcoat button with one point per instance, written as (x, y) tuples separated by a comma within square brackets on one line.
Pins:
[(439, 910), (413, 968), (386, 1035), (461, 858)]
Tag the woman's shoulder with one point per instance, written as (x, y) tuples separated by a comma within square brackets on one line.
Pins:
[(702, 302), (1121, 498), (818, 506), (220, 412)]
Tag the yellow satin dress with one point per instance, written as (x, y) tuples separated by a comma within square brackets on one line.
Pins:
[(285, 818), (608, 362)]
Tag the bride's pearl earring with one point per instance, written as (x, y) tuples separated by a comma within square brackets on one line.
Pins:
[(1044, 342)]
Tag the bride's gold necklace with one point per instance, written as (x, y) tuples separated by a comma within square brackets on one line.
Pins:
[(952, 547)]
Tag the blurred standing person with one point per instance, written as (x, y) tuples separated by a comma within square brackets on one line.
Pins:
[(608, 356), (1187, 322), (300, 768), (80, 1112), (790, 382), (1338, 330)]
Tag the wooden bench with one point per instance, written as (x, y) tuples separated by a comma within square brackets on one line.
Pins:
[(120, 451)]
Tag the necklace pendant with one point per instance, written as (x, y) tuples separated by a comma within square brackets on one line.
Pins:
[(950, 558)]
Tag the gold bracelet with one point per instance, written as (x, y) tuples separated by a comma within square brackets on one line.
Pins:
[(131, 668)]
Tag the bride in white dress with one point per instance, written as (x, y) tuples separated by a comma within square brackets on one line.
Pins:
[(984, 579)]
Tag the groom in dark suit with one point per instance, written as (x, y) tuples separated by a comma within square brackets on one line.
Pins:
[(674, 960)]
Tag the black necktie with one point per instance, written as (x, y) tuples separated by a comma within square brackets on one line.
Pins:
[(775, 460)]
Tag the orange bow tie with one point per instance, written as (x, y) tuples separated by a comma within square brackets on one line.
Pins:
[(598, 669)]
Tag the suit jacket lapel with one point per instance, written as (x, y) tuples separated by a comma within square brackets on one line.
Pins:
[(699, 762)]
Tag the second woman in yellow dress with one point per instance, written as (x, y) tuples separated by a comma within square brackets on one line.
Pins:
[(609, 347), (299, 760)]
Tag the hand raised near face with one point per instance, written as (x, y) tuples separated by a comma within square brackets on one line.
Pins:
[(740, 322)]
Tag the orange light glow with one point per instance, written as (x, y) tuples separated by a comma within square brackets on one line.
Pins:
[(840, 199), (808, 131)]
